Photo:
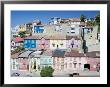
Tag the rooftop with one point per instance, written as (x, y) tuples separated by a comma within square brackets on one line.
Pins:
[(25, 54), (58, 53), (93, 54), (74, 53)]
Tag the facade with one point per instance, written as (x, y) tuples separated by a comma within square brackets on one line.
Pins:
[(73, 42), (58, 59), (74, 61), (38, 29), (93, 59), (16, 42), (31, 42), (14, 62), (22, 27), (44, 43), (58, 41), (46, 59), (29, 28), (55, 20), (14, 31), (23, 60), (34, 61)]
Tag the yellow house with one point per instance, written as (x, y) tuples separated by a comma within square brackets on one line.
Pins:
[(22, 28)]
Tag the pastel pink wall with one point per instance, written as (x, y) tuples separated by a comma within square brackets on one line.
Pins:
[(43, 44), (93, 63)]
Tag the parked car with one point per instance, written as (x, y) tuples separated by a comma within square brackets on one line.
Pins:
[(75, 74), (70, 75), (15, 74), (29, 74)]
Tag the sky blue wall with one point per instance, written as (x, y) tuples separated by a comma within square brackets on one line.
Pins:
[(30, 43)]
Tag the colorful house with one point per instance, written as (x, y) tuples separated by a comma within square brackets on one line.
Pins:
[(55, 20), (23, 60), (31, 42), (16, 42), (22, 27), (93, 60), (14, 62), (38, 29), (57, 41), (36, 42), (73, 42), (14, 31), (29, 27), (34, 61), (46, 59), (74, 61), (58, 59), (44, 43)]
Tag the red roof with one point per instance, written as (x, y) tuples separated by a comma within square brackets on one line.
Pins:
[(74, 53), (18, 39)]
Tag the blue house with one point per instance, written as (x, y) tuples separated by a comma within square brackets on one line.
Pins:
[(38, 29), (30, 42), (46, 59)]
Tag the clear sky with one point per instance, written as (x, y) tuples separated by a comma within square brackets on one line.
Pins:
[(22, 17)]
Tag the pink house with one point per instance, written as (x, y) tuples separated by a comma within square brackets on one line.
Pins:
[(23, 60), (44, 43), (58, 59), (93, 59), (74, 61)]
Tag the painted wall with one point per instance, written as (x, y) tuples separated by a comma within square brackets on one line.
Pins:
[(30, 43), (44, 44), (38, 29), (77, 43), (23, 64), (14, 64), (58, 63), (54, 44), (46, 61), (93, 63), (74, 63)]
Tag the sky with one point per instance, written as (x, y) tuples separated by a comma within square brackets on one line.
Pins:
[(23, 17)]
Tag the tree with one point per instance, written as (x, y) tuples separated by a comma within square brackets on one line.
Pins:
[(22, 33), (97, 20), (82, 18), (47, 71)]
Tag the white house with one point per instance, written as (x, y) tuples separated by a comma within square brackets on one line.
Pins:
[(14, 61), (34, 61), (16, 42), (58, 41), (14, 31)]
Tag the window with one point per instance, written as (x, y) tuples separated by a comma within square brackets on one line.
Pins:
[(70, 65), (72, 28), (74, 65), (61, 44), (33, 41), (57, 59), (53, 45), (79, 65), (72, 32), (33, 46), (67, 32)]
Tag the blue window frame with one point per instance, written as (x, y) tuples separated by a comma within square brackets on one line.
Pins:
[(39, 29)]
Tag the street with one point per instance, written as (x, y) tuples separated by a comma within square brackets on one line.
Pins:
[(57, 74)]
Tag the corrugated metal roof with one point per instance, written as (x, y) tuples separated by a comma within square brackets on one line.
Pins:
[(25, 54), (58, 53)]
